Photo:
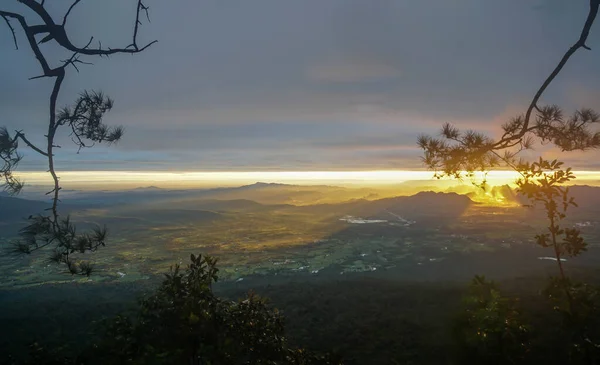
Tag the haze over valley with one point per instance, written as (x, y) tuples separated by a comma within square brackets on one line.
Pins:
[(265, 230)]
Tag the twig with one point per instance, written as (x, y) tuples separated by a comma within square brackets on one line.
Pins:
[(140, 7), (20, 135), (69, 12), (12, 30)]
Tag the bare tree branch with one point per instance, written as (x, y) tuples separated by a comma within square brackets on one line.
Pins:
[(39, 9), (140, 7), (58, 33), (30, 34)]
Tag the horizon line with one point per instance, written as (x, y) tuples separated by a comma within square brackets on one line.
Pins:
[(191, 178)]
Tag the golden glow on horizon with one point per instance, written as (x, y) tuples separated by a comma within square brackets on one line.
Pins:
[(223, 178)]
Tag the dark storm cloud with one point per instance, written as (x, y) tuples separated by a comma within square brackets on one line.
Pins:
[(269, 84)]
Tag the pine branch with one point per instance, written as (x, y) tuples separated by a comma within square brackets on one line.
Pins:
[(581, 43)]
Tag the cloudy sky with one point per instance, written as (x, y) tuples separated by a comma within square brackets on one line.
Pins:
[(304, 84)]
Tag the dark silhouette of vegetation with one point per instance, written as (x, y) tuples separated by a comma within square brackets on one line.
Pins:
[(83, 121), (492, 329), (366, 320), (542, 182), (578, 306), (457, 154), (183, 321)]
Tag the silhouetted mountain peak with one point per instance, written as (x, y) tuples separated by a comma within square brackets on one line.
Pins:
[(261, 184), (433, 195), (147, 188)]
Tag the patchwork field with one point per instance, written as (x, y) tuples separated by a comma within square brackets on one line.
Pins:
[(402, 237)]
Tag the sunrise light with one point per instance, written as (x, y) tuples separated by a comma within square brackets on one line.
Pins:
[(186, 179)]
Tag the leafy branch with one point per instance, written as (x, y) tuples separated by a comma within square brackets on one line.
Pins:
[(83, 120), (457, 152)]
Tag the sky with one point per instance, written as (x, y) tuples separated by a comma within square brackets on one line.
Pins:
[(311, 85)]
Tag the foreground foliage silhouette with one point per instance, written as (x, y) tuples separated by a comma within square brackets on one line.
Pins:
[(463, 153), (184, 322), (492, 329)]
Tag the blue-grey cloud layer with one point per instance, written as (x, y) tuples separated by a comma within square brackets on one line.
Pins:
[(312, 84)]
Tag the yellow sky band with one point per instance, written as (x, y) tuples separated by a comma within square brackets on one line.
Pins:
[(232, 178)]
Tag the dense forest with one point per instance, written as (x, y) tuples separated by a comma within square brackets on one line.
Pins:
[(358, 319)]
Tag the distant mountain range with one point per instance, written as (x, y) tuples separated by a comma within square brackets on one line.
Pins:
[(264, 193), (423, 204), (161, 205)]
